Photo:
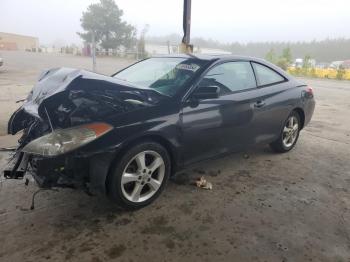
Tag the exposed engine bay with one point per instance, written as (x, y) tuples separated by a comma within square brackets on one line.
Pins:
[(64, 104)]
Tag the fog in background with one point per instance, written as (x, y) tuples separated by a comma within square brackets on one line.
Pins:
[(226, 21)]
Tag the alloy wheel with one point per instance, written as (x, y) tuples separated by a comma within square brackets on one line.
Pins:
[(290, 131), (143, 176)]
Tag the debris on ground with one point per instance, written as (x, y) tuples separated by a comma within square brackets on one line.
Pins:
[(246, 156), (203, 183)]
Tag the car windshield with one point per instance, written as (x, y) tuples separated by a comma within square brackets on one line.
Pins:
[(166, 75)]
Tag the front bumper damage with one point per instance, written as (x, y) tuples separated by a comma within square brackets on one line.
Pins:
[(65, 98), (55, 172), (78, 171)]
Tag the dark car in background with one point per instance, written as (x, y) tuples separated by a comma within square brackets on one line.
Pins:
[(125, 135)]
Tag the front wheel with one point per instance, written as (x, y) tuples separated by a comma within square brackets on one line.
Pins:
[(139, 176), (289, 135)]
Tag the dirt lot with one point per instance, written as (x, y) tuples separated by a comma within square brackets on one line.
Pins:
[(263, 206)]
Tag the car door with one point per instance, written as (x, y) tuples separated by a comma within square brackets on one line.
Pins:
[(271, 107), (214, 126)]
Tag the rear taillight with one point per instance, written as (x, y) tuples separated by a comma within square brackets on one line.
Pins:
[(309, 90)]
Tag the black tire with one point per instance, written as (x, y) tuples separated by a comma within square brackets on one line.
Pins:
[(114, 182), (279, 146)]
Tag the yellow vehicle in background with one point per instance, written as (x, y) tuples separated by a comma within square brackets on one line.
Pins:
[(340, 73)]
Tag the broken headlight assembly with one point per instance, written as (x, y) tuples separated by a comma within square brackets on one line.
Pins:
[(61, 141)]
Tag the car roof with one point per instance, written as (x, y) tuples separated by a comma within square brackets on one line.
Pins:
[(211, 57), (226, 57)]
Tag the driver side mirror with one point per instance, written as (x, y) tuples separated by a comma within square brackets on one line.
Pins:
[(206, 92)]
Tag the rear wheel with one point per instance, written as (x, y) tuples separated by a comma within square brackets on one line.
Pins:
[(289, 135), (139, 176)]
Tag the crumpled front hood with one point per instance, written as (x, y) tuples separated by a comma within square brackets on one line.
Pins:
[(66, 97), (57, 80)]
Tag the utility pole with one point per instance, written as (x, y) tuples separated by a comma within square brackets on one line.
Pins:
[(93, 52), (168, 44), (186, 47)]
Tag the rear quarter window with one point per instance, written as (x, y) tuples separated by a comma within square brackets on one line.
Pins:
[(266, 75)]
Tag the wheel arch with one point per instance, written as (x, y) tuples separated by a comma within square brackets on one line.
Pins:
[(158, 139), (301, 114)]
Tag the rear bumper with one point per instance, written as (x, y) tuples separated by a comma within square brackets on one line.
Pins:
[(309, 108)]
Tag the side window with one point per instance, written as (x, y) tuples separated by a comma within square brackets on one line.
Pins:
[(266, 76), (230, 77)]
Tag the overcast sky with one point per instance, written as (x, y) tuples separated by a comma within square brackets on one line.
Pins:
[(223, 20)]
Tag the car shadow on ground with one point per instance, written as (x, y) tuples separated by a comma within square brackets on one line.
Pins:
[(68, 209)]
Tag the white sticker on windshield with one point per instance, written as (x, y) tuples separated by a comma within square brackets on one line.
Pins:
[(191, 67)]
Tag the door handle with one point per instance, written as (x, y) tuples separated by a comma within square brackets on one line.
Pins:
[(259, 104)]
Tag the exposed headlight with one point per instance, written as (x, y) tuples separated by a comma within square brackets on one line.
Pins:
[(62, 141)]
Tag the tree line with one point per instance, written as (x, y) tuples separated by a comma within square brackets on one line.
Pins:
[(326, 50), (102, 23)]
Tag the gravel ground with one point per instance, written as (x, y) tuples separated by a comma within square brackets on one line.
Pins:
[(263, 206)]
